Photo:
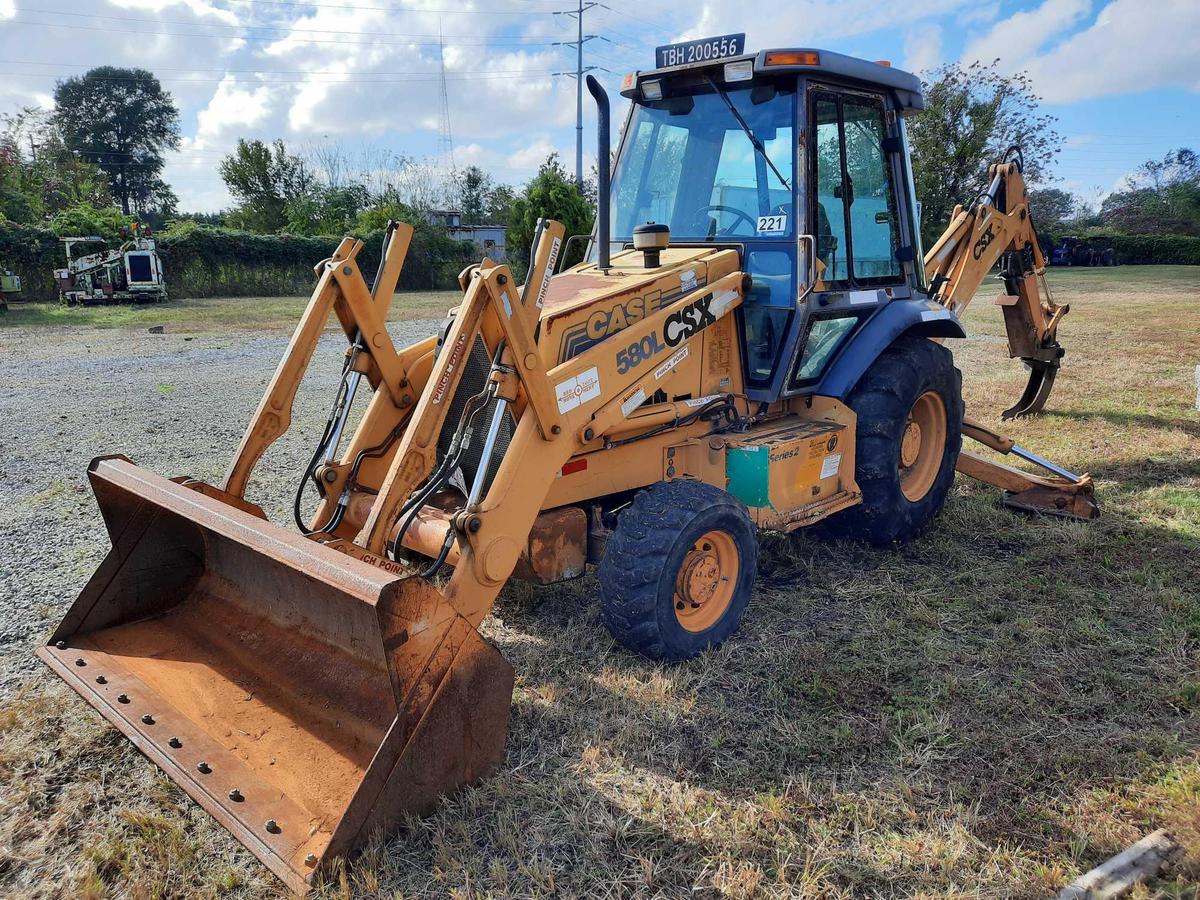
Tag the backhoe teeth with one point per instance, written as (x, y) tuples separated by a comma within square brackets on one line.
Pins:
[(1037, 390)]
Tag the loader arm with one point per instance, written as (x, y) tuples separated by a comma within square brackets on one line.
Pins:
[(999, 228)]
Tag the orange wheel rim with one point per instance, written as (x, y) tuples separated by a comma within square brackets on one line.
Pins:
[(706, 581), (922, 446)]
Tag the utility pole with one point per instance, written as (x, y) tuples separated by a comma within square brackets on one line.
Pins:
[(580, 71)]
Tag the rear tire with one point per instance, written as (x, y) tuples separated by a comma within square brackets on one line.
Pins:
[(909, 433), (678, 570)]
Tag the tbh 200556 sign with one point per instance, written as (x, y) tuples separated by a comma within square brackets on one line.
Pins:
[(704, 50)]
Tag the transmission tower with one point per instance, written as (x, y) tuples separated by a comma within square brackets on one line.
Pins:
[(445, 147), (580, 70)]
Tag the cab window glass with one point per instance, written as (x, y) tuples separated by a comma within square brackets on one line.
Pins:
[(872, 201), (854, 214), (830, 207), (825, 336), (767, 311)]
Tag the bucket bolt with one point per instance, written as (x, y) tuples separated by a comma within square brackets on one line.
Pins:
[(147, 719), (310, 860), (236, 796), (100, 679), (273, 826), (61, 645), (175, 743), (203, 767), (81, 662), (122, 698)]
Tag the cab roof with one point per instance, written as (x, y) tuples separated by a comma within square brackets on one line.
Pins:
[(905, 87)]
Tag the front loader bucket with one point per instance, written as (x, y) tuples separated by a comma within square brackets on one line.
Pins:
[(302, 696)]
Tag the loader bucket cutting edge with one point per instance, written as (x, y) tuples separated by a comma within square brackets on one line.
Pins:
[(301, 696)]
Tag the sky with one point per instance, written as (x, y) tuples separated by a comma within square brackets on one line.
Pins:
[(1122, 76)]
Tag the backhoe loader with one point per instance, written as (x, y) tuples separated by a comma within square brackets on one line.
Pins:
[(754, 341)]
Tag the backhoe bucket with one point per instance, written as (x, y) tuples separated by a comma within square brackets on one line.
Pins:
[(302, 696), (1037, 389)]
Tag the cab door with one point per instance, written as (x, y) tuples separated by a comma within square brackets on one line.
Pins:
[(855, 254)]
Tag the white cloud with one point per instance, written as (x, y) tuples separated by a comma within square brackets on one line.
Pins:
[(923, 47), (532, 154), (1018, 36), (1129, 48), (811, 22), (232, 107)]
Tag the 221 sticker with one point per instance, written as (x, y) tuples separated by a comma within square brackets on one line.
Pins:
[(771, 224)]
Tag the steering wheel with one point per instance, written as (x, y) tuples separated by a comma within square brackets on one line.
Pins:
[(726, 209)]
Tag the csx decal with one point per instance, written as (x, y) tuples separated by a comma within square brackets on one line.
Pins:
[(984, 241), (603, 322), (679, 326)]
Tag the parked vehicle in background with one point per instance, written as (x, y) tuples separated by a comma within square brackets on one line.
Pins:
[(10, 283), (1075, 251), (132, 272)]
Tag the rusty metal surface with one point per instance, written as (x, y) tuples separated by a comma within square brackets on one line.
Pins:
[(314, 683), (557, 549)]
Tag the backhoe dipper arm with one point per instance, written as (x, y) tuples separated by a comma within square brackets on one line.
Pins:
[(999, 228)]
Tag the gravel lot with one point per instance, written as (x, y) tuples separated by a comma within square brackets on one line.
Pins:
[(175, 403)]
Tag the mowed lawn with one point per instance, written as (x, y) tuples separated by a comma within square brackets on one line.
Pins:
[(987, 712), (209, 313)]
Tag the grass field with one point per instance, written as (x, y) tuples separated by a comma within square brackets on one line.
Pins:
[(209, 314), (987, 712)]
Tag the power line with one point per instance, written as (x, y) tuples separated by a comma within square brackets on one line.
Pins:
[(344, 77), (368, 39), (580, 69)]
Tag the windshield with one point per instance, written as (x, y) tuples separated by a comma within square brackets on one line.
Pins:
[(731, 190)]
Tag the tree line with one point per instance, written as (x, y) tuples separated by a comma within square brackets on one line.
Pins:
[(94, 164)]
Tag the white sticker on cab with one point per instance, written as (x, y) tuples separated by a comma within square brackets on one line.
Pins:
[(771, 224), (830, 465)]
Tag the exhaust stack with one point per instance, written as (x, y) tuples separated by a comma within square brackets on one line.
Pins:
[(603, 178)]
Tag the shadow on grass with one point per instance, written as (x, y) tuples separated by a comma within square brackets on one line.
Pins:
[(1188, 426)]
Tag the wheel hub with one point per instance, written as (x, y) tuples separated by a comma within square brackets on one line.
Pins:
[(922, 446), (706, 581), (910, 446)]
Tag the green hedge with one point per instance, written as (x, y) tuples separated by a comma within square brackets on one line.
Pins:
[(1131, 249), (1157, 249), (204, 261), (33, 253)]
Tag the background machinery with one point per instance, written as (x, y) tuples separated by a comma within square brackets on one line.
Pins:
[(10, 284), (131, 272), (754, 342)]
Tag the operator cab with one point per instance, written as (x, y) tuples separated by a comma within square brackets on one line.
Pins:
[(798, 158)]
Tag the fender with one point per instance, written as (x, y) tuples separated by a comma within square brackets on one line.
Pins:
[(918, 316)]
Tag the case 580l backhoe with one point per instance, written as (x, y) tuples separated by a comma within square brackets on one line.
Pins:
[(752, 342)]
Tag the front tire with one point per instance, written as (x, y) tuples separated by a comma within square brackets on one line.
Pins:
[(678, 570), (908, 437)]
